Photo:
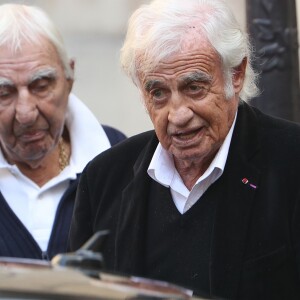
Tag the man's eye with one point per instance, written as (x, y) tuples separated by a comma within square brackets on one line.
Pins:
[(157, 94), (198, 90), (40, 86), (5, 93), (195, 87)]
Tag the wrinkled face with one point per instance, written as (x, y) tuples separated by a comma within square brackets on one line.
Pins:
[(185, 99), (33, 99)]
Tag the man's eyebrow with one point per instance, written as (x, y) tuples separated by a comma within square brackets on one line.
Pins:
[(196, 76), (45, 73), (150, 84), (5, 82)]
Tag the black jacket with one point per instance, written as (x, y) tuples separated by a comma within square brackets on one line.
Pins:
[(255, 251)]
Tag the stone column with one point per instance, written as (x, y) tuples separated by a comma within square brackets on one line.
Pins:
[(272, 26)]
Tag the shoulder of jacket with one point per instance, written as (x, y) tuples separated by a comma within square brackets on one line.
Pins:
[(127, 149)]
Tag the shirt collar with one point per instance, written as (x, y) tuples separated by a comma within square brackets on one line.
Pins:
[(88, 137), (162, 168)]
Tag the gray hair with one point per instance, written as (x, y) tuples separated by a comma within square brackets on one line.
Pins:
[(28, 23), (157, 30)]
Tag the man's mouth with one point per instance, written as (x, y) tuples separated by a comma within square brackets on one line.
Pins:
[(187, 136), (31, 136)]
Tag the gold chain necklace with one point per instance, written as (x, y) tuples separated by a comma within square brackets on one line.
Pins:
[(64, 158)]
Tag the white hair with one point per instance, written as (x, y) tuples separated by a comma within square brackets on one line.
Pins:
[(20, 23), (157, 30)]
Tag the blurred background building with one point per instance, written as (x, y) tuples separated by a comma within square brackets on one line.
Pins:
[(93, 31)]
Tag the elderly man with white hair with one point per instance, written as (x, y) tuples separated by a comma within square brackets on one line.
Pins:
[(209, 199), (47, 135)]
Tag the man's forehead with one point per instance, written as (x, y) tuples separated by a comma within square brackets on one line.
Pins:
[(29, 62), (182, 64), (190, 47), (42, 49)]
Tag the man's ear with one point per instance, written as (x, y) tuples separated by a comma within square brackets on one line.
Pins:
[(239, 75), (71, 80), (72, 64)]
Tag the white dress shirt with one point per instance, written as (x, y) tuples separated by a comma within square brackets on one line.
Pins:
[(36, 206), (162, 170)]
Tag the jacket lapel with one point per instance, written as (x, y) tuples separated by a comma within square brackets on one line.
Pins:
[(133, 212), (237, 188)]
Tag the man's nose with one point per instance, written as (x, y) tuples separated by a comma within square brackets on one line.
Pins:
[(180, 113), (26, 108)]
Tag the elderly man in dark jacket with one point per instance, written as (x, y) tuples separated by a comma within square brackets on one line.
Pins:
[(210, 199)]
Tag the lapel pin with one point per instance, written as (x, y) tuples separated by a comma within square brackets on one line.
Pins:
[(246, 181)]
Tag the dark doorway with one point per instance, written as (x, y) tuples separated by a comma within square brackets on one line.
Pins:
[(272, 25)]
